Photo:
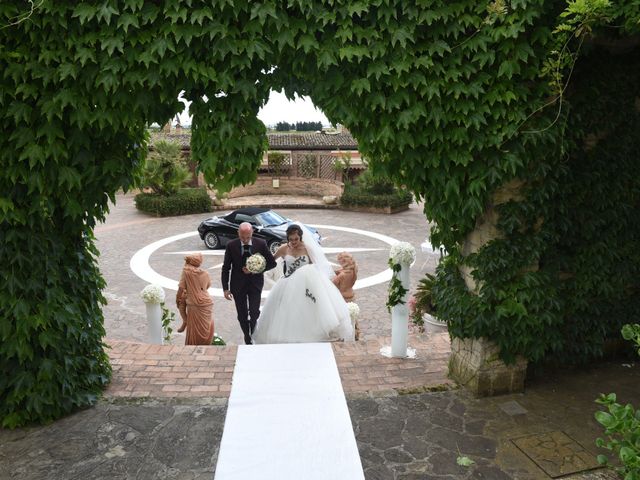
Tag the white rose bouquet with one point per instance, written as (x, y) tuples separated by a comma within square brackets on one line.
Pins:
[(354, 311), (256, 263), (152, 294)]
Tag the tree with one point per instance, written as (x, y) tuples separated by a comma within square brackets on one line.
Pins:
[(283, 127), (165, 170), (308, 126)]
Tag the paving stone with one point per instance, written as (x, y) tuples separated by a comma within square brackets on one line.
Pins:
[(488, 472), (513, 408), (474, 427), (397, 455), (445, 462), (417, 447), (379, 472), (556, 453), (448, 421), (417, 424), (382, 433)]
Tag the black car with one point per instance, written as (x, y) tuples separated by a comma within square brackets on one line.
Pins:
[(268, 225)]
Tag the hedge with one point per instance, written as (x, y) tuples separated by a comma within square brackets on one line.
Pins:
[(356, 197), (186, 201)]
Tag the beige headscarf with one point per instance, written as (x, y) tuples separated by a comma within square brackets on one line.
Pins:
[(194, 259)]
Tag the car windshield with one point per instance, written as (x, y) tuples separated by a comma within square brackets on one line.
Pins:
[(270, 218)]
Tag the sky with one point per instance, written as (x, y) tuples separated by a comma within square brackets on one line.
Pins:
[(279, 109)]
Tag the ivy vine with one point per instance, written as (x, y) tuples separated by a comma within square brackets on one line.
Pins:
[(397, 291)]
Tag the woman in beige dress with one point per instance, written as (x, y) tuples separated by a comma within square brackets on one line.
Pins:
[(194, 302)]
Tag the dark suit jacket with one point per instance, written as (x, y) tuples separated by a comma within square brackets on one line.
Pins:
[(233, 261)]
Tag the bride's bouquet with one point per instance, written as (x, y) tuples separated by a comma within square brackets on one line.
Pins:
[(256, 263), (354, 311)]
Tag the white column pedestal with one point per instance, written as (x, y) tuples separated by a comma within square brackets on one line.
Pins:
[(154, 323), (400, 318)]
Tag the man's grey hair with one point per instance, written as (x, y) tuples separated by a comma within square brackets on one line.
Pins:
[(245, 226)]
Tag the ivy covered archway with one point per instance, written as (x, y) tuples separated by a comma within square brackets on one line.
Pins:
[(452, 99)]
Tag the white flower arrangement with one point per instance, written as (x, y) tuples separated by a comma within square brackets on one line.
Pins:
[(256, 263), (152, 294), (402, 253), (354, 311)]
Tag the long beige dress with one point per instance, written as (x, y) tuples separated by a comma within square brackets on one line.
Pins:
[(194, 302)]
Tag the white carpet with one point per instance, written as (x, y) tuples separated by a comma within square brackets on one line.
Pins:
[(287, 417)]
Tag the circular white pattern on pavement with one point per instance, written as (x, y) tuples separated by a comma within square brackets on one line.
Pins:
[(140, 261)]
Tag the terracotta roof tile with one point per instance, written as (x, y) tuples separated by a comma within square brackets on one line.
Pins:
[(311, 141), (279, 141)]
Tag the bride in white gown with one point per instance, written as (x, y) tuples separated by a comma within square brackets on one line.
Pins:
[(304, 305)]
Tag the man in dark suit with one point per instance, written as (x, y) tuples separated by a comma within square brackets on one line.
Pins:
[(245, 287)]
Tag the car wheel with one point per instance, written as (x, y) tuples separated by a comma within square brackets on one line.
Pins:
[(211, 240), (274, 245)]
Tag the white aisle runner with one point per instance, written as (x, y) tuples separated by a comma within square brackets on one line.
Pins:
[(287, 417)]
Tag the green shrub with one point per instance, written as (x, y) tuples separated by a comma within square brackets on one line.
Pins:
[(184, 202), (374, 184), (358, 197), (164, 170), (622, 424)]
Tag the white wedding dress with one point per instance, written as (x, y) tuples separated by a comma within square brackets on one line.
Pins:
[(303, 306)]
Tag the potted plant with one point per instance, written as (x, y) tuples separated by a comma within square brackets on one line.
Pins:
[(421, 306)]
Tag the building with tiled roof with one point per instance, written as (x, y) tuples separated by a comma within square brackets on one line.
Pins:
[(312, 141), (278, 141), (308, 163), (307, 154)]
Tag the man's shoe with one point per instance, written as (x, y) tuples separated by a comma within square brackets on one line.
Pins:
[(247, 340)]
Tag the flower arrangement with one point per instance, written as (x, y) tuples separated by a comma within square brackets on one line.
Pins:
[(217, 340), (256, 263), (421, 302), (354, 311), (402, 252), (152, 294)]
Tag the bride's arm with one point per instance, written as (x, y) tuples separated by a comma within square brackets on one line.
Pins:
[(281, 252)]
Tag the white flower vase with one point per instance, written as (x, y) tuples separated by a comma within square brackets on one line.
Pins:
[(400, 317), (154, 323)]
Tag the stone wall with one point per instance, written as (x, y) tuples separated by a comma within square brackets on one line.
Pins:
[(475, 363), (314, 187)]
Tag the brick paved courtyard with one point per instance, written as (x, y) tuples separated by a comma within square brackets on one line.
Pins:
[(175, 370)]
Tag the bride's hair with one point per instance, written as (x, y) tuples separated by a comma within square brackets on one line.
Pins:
[(293, 228)]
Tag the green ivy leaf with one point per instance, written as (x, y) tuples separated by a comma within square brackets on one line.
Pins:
[(127, 20), (105, 12), (464, 461), (84, 12)]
